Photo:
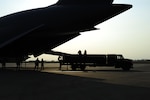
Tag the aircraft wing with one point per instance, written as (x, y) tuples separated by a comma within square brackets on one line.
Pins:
[(26, 41), (7, 38)]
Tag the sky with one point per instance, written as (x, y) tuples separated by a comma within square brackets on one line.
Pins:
[(127, 33)]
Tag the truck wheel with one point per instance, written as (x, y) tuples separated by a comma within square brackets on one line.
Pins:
[(73, 67), (126, 68), (82, 67)]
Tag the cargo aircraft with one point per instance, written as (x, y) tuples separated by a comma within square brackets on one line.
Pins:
[(38, 31)]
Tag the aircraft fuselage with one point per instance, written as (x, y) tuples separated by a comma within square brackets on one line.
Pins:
[(39, 30)]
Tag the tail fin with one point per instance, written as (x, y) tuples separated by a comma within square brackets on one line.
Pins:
[(84, 2)]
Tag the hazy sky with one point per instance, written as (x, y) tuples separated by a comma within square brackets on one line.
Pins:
[(127, 33)]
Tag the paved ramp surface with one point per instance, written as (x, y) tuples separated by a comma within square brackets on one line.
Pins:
[(94, 84)]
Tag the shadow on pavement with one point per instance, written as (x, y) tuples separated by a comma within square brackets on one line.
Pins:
[(34, 85), (102, 70)]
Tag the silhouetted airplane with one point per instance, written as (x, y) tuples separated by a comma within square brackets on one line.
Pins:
[(37, 31)]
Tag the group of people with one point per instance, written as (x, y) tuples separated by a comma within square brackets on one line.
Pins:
[(37, 64), (18, 63), (80, 53), (60, 58)]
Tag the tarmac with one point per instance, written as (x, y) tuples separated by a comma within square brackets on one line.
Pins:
[(96, 83)]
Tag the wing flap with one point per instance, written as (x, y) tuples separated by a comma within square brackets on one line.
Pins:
[(78, 2)]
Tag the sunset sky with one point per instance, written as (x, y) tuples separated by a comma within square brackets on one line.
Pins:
[(127, 33)]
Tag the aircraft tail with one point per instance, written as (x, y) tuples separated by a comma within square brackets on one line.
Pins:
[(84, 2)]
